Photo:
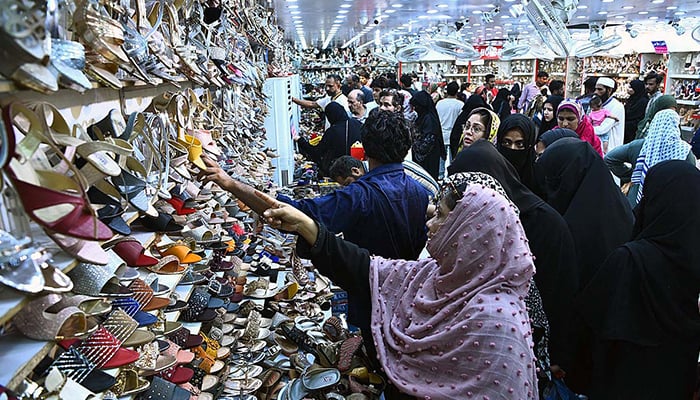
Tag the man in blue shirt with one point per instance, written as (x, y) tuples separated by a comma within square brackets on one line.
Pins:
[(384, 211)]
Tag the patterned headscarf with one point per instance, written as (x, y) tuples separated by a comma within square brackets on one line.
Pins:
[(663, 142), (463, 308), (458, 182), (492, 130)]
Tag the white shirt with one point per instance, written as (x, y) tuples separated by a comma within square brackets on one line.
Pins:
[(448, 110), (368, 107), (340, 99), (616, 129)]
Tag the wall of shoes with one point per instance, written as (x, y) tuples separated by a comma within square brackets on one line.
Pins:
[(121, 274), (683, 82)]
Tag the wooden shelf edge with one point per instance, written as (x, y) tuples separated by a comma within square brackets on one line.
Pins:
[(684, 76)]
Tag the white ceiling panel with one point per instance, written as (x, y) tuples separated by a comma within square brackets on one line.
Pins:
[(336, 22)]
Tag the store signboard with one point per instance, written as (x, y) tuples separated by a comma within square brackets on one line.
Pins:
[(489, 52), (660, 46)]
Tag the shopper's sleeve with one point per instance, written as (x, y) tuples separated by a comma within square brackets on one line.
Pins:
[(617, 160), (346, 264), (523, 97), (337, 211)]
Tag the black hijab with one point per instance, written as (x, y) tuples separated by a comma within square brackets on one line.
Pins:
[(635, 108), (555, 134), (522, 160), (500, 104), (575, 181), (549, 239), (516, 91), (647, 291), (473, 102), (547, 125), (428, 117), (337, 139)]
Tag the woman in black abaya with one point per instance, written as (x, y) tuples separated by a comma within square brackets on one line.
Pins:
[(576, 183), (642, 304), (635, 108), (550, 242), (336, 140), (428, 146)]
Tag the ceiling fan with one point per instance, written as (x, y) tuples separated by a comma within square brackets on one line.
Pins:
[(696, 34), (548, 24), (450, 42), (597, 42), (512, 48), (411, 49)]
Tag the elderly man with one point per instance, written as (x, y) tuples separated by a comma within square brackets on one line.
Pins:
[(359, 109), (333, 93), (612, 131)]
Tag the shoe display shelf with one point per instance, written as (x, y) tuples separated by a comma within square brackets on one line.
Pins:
[(574, 77), (683, 82)]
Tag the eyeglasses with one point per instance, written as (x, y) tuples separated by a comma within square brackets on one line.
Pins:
[(477, 129)]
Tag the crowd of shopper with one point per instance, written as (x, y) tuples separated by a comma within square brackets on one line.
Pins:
[(539, 272)]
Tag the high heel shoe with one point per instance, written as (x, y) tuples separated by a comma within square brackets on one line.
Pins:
[(25, 45), (54, 201)]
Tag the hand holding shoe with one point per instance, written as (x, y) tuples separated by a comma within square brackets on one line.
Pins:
[(214, 173)]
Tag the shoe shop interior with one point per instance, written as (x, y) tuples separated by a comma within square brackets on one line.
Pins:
[(193, 205)]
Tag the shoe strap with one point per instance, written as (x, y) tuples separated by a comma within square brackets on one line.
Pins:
[(142, 292), (73, 365), (100, 347), (120, 324)]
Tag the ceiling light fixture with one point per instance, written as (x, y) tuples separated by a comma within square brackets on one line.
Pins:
[(671, 7), (397, 5), (389, 11), (442, 6), (657, 1), (582, 7), (292, 6), (602, 12), (627, 7), (343, 11), (432, 11), (345, 5), (295, 12), (643, 12), (679, 13), (653, 17)]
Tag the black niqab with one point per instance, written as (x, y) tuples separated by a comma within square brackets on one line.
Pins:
[(522, 160)]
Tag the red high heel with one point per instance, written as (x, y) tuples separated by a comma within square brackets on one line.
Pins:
[(55, 201)]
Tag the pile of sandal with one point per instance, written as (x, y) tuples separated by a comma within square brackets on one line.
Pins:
[(113, 43)]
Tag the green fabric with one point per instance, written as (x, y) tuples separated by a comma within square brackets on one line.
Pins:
[(662, 103)]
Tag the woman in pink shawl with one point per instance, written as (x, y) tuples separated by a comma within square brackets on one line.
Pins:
[(453, 326), (570, 115)]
